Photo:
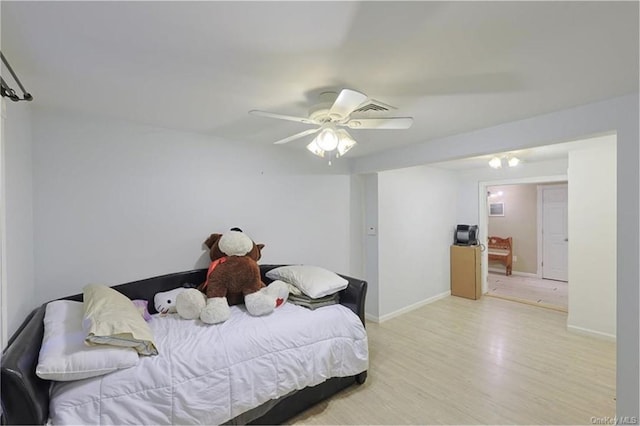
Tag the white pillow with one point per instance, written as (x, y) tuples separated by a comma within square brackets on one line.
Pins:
[(313, 281), (64, 355), (111, 318)]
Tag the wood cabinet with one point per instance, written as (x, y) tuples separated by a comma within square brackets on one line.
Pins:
[(465, 271)]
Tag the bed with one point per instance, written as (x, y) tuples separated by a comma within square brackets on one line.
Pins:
[(500, 250), (159, 389)]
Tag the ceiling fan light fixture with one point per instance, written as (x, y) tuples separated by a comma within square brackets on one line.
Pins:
[(315, 149), (327, 139), (495, 163), (333, 112), (345, 143)]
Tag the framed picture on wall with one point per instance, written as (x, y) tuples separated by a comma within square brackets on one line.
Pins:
[(496, 209)]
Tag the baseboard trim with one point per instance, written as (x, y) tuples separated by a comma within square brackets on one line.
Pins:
[(371, 317), (518, 273), (592, 333), (409, 308)]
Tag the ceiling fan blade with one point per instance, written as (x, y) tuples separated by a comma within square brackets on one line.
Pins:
[(346, 102), (297, 136), (281, 116), (380, 123)]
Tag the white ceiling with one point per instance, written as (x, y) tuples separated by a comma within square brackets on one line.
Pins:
[(201, 66)]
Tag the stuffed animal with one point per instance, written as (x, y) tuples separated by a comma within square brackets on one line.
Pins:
[(165, 301), (233, 278)]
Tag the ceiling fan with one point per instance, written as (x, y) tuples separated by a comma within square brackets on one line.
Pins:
[(332, 115)]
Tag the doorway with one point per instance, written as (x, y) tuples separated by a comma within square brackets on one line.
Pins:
[(520, 218), (537, 223)]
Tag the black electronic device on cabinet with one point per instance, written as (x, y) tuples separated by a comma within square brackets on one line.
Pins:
[(466, 235)]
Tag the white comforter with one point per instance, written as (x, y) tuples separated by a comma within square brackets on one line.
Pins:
[(209, 374)]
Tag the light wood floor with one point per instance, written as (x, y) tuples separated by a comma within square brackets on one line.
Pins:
[(548, 293), (490, 361)]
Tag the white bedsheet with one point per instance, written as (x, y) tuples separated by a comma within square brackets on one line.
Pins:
[(209, 374)]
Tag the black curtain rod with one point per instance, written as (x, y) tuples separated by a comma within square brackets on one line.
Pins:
[(7, 91)]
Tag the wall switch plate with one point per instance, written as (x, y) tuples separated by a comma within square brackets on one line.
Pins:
[(515, 258)]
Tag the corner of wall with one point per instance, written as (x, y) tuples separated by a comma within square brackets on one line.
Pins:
[(18, 231)]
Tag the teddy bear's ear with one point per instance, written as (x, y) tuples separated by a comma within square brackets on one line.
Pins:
[(259, 247), (212, 240)]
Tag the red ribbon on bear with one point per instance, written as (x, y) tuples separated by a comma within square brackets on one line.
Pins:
[(213, 266)]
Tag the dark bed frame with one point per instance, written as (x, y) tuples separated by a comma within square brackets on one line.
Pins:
[(25, 397)]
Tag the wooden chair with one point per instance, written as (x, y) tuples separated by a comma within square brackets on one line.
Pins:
[(501, 250)]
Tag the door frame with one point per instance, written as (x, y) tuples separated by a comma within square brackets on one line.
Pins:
[(539, 224), (483, 213)]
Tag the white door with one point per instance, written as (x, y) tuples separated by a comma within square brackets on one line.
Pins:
[(555, 240)]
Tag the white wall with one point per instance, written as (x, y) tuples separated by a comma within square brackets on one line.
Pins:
[(592, 238), (417, 211), (19, 215), (116, 202), (619, 115), (356, 230), (370, 235)]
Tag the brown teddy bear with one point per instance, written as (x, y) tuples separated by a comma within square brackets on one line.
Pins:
[(233, 278)]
